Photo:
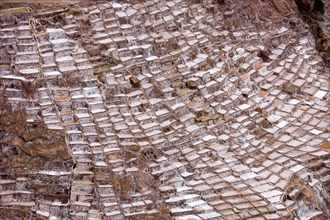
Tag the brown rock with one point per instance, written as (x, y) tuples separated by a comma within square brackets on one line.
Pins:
[(134, 81), (264, 54)]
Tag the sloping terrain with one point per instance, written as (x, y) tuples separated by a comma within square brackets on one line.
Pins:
[(162, 110)]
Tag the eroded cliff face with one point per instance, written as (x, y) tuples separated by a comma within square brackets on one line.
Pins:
[(31, 138), (316, 13)]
